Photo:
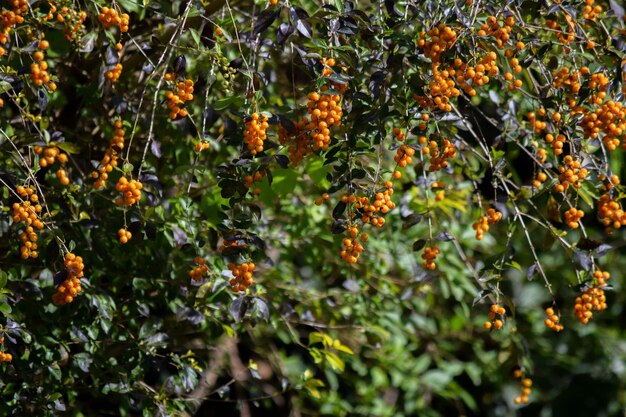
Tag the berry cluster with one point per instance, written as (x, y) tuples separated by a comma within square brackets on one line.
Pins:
[(593, 299), (572, 217), (495, 311), (526, 383), (39, 68), (608, 119), (610, 213), (570, 174), (429, 256), (11, 18), (601, 277), (557, 142), (124, 235), (242, 276), (301, 141), (184, 92), (114, 73), (540, 179), (537, 125), (197, 272), (69, 288), (404, 155), (4, 357), (131, 190), (27, 211), (73, 20), (382, 204), (255, 132), (560, 34), (201, 146), (439, 152), (109, 17), (434, 43), (109, 161), (50, 155), (320, 200), (352, 248), (590, 12), (482, 224), (500, 32), (552, 320), (325, 111)]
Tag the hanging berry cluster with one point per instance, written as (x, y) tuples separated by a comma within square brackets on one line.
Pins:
[(198, 272), (131, 191), (27, 211), (552, 320), (570, 174), (109, 17), (324, 111), (352, 248), (109, 161), (251, 179), (11, 18), (175, 100), (592, 299), (70, 288), (439, 151), (50, 155), (482, 224), (495, 321), (572, 217), (242, 276), (255, 132), (124, 235), (429, 256), (526, 383), (4, 357), (38, 69)]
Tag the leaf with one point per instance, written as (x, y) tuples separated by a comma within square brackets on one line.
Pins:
[(342, 348), (5, 309), (283, 32), (68, 147), (298, 17), (282, 160), (335, 362), (264, 21), (42, 98), (411, 220), (530, 274), (304, 27), (239, 307), (180, 65), (583, 260), (419, 245), (602, 250), (4, 87), (339, 209), (317, 337), (82, 360), (262, 309)]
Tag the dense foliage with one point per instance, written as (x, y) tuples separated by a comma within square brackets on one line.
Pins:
[(312, 208)]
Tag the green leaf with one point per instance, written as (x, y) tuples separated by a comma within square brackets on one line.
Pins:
[(69, 147), (5, 309), (335, 362), (317, 337)]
